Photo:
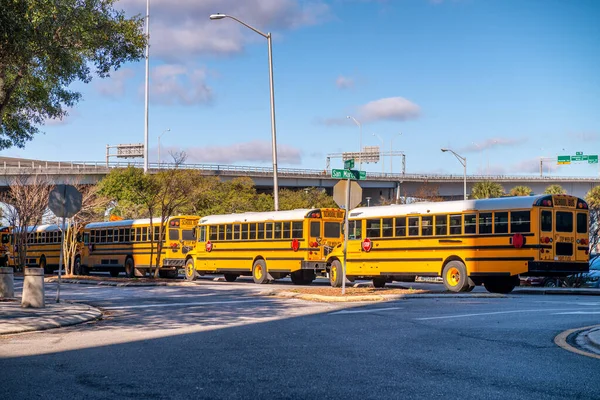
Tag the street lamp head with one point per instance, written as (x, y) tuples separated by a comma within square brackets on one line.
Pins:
[(444, 150), (217, 16)]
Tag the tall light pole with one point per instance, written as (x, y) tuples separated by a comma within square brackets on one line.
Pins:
[(391, 151), (273, 129), (165, 131), (463, 161), (359, 141), (147, 81), (381, 152)]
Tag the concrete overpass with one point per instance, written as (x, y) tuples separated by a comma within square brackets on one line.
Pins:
[(376, 185)]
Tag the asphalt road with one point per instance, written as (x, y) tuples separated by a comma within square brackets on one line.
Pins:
[(221, 341)]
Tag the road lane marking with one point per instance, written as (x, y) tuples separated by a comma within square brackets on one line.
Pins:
[(199, 303), (561, 341), (488, 313), (364, 311), (577, 312)]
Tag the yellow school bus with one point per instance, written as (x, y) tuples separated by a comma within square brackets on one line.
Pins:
[(467, 243), (43, 247), (266, 245), (127, 245), (6, 247)]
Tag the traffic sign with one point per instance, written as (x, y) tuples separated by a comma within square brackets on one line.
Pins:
[(563, 160), (340, 192), (579, 153), (349, 164), (348, 174), (593, 159), (579, 157)]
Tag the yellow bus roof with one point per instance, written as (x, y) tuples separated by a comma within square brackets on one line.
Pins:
[(291, 215), (133, 222)]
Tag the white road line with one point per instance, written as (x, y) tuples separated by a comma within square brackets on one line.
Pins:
[(200, 303), (489, 313), (364, 311), (577, 312)]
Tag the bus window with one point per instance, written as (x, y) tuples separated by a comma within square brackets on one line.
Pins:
[(252, 231), (212, 232), (373, 228), (188, 234), (332, 230), (261, 230), (109, 236), (277, 230), (441, 224), (138, 234), (269, 230), (127, 237), (413, 226), (103, 236), (202, 236), (546, 221), (315, 229), (470, 223), (228, 232), (387, 227), (427, 225), (236, 232), (355, 229), (244, 231), (157, 233), (519, 221), (485, 223), (297, 231), (564, 221), (501, 222), (401, 227), (287, 231), (173, 234), (86, 238), (455, 224), (221, 232), (582, 224), (144, 234)]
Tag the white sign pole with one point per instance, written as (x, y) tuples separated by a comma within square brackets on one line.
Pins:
[(346, 237)]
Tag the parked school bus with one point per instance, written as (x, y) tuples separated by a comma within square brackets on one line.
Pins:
[(467, 243), (127, 245), (6, 247), (266, 245), (43, 248)]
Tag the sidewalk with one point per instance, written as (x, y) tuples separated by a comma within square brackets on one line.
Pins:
[(16, 319)]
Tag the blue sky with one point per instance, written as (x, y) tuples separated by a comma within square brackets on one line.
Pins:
[(500, 82)]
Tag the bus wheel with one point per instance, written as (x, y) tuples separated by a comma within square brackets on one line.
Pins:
[(455, 276), (500, 285), (77, 266), (230, 277), (129, 268), (336, 274), (114, 273), (259, 272), (190, 270), (379, 282)]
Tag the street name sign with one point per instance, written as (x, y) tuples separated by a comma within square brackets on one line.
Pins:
[(348, 174), (349, 164)]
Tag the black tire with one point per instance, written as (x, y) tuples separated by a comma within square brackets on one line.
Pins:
[(129, 268), (230, 277), (336, 274), (500, 285), (302, 277), (259, 272), (379, 282), (190, 270), (455, 276), (114, 273), (551, 283), (77, 266)]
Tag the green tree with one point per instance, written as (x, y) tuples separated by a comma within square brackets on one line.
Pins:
[(555, 189), (521, 191), (305, 198), (593, 199), (45, 46), (486, 190)]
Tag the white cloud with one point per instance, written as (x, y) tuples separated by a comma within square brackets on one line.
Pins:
[(114, 86), (480, 146), (343, 82), (178, 84), (255, 151), (181, 28), (391, 108)]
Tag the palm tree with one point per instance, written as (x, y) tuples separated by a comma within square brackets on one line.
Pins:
[(593, 199), (521, 191), (486, 190), (555, 189)]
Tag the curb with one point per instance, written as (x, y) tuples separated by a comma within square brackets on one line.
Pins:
[(593, 338), (88, 313), (377, 297), (582, 292), (118, 284)]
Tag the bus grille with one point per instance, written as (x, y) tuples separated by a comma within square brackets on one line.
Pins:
[(564, 249)]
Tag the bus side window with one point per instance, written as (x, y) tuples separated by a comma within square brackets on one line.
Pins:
[(86, 238), (355, 229), (427, 225), (236, 232), (261, 230), (244, 231), (519, 221), (269, 230), (485, 223), (202, 236), (277, 233), (297, 230), (501, 222), (546, 221), (252, 234), (221, 232), (287, 232), (456, 224), (374, 228), (138, 234), (401, 227), (387, 227), (5, 239), (470, 224), (228, 232), (212, 232), (441, 224), (413, 226)]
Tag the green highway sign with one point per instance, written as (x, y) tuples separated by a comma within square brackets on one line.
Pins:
[(564, 160), (349, 164), (348, 174), (579, 157), (592, 159), (579, 153)]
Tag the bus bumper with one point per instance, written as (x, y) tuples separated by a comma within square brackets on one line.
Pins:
[(548, 268), (314, 265)]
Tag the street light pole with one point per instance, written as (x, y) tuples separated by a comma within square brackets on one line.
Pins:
[(273, 129), (165, 131), (359, 142), (463, 161), (381, 152), (147, 89), (391, 152)]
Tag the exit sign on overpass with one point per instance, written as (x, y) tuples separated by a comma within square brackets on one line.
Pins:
[(579, 157)]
